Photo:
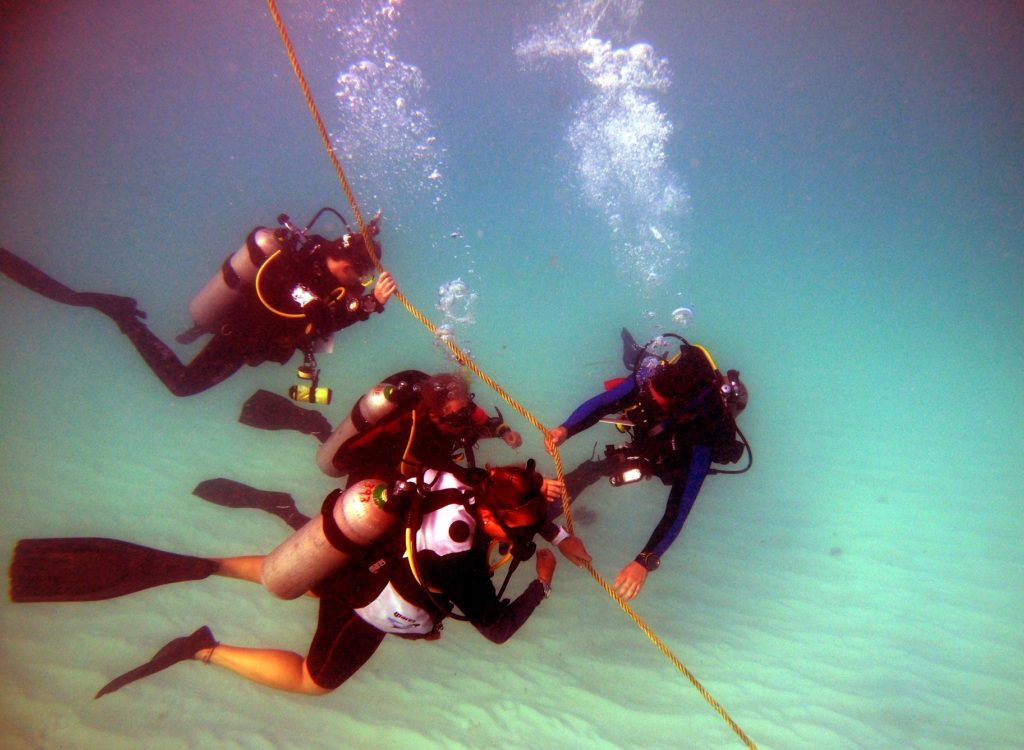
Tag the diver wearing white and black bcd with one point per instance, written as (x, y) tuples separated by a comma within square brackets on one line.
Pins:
[(380, 593)]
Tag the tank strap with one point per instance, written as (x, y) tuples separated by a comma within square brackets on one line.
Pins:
[(256, 255), (358, 420), (332, 531), (228, 273)]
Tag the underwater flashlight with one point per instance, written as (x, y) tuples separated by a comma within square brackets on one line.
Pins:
[(630, 467), (626, 476), (310, 394)]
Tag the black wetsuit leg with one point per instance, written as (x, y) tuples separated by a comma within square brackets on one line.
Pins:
[(218, 360), (586, 474), (580, 478), (343, 643), (221, 358)]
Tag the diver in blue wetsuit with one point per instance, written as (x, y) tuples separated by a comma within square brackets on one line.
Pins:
[(680, 414)]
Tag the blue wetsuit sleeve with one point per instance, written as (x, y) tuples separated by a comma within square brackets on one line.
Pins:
[(590, 412), (680, 502)]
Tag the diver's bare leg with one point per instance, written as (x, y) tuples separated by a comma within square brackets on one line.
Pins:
[(245, 568), (281, 670)]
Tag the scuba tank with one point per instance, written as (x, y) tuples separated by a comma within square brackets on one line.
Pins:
[(381, 401), (349, 522), (215, 300)]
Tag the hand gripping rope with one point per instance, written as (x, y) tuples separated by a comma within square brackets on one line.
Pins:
[(464, 360)]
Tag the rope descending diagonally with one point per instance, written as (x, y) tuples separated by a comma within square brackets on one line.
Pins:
[(463, 359)]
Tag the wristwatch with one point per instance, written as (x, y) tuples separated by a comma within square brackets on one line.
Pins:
[(369, 304), (547, 588), (649, 560)]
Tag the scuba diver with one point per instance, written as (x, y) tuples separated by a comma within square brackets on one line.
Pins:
[(680, 414), (404, 583), (284, 289), (408, 420)]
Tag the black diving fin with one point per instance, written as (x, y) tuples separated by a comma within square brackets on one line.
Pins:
[(122, 310), (269, 411), (630, 349), (79, 569), (231, 494), (20, 270), (178, 650)]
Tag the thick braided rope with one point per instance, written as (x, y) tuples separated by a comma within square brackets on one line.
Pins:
[(463, 359), (719, 709), (321, 128)]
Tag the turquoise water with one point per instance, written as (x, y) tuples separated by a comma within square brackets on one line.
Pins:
[(833, 189)]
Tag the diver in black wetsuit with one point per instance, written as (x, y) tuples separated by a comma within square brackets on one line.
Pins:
[(435, 418), (302, 295), (680, 414)]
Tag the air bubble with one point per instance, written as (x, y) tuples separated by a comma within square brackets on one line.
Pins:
[(682, 316), (455, 301)]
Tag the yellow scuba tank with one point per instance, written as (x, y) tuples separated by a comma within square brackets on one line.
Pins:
[(370, 409), (348, 522), (214, 301)]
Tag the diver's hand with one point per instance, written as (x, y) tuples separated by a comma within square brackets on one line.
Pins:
[(512, 438), (630, 580), (574, 551), (545, 565), (555, 438), (384, 288), (552, 490)]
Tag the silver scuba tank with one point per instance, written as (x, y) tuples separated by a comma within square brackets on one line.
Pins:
[(214, 301), (349, 521), (369, 410)]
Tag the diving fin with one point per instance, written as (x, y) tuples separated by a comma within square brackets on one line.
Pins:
[(20, 270), (231, 494), (180, 649), (90, 568), (630, 349), (122, 310), (269, 411)]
